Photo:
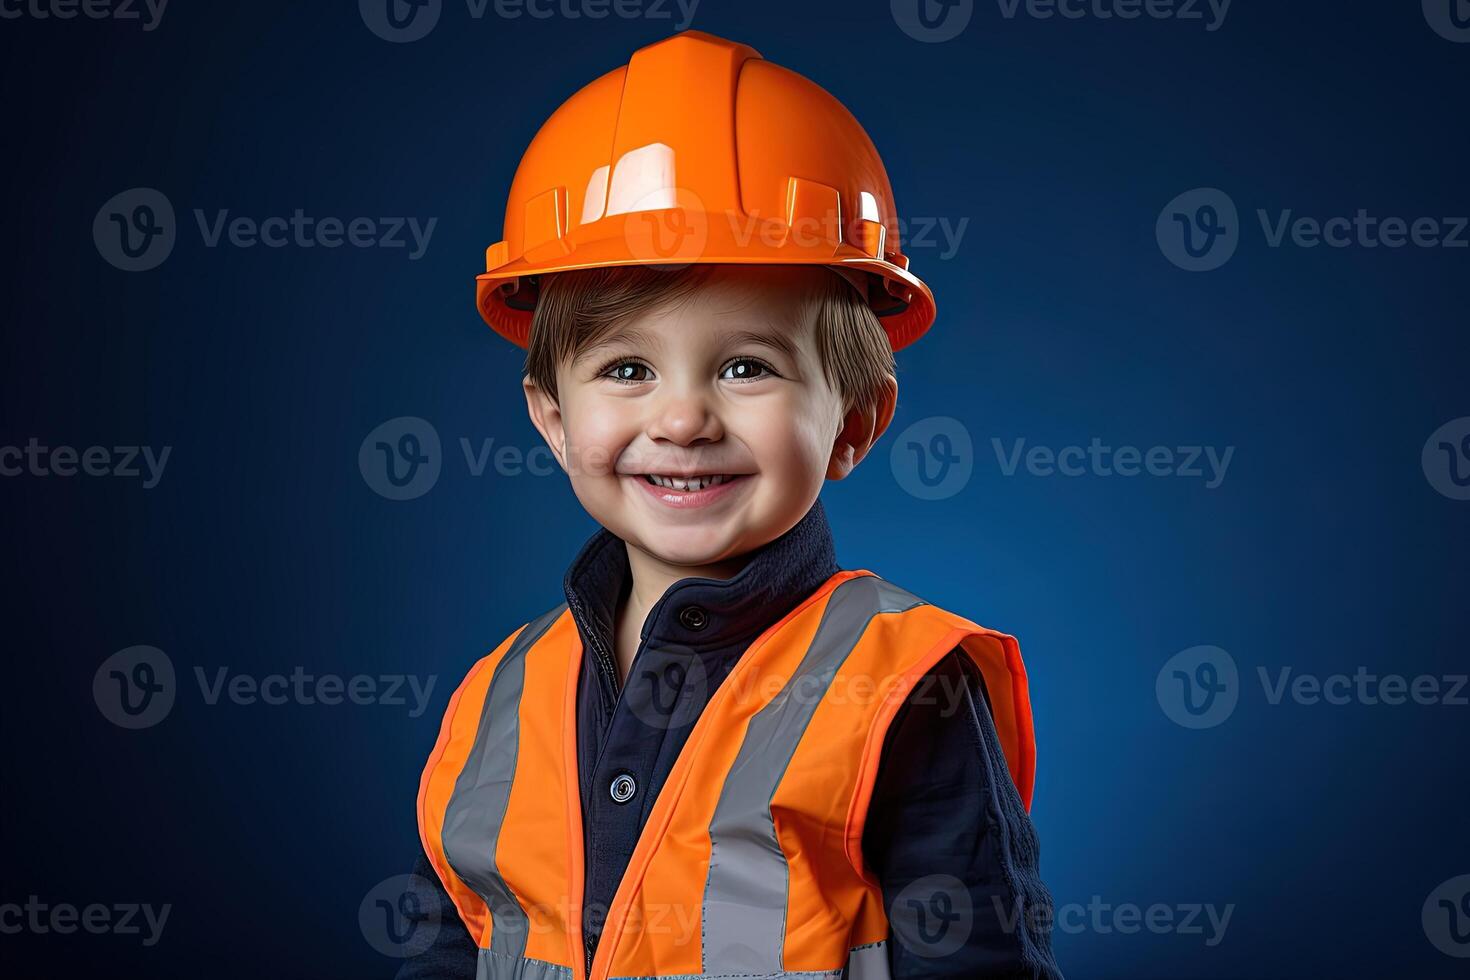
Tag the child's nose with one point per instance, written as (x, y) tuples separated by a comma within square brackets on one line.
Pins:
[(684, 416)]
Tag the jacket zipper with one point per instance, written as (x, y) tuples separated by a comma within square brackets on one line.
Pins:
[(604, 661)]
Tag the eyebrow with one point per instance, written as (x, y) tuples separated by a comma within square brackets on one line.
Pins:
[(778, 341), (735, 338), (616, 336)]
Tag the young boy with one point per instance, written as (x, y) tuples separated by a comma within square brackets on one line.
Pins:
[(722, 755)]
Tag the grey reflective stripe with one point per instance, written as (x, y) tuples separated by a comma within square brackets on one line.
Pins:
[(744, 911), (868, 962), (783, 975), (476, 809), (498, 966)]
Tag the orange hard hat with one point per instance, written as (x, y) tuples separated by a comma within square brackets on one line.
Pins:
[(700, 151)]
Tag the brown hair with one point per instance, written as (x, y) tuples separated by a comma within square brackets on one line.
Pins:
[(576, 309)]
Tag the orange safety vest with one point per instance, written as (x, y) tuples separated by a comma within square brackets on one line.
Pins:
[(750, 863)]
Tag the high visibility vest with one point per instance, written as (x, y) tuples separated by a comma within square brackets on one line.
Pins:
[(750, 863)]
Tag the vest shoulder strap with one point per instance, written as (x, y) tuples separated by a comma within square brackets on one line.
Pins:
[(459, 786), (998, 656)]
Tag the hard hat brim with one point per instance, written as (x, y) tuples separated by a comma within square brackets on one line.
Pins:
[(905, 308)]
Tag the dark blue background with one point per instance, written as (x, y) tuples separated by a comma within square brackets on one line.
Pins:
[(263, 548)]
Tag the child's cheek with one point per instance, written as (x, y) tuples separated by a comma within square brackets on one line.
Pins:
[(594, 441), (793, 440), (818, 430)]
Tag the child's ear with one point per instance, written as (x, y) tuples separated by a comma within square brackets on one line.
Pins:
[(546, 417), (862, 426)]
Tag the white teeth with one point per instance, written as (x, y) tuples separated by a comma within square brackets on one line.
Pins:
[(693, 483)]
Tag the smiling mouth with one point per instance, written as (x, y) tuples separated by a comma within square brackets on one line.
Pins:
[(688, 484)]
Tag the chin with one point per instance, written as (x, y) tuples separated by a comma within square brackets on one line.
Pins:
[(688, 546)]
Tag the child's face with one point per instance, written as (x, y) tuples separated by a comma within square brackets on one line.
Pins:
[(727, 385)]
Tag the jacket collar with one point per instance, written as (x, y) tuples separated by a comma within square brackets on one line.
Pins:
[(778, 576)]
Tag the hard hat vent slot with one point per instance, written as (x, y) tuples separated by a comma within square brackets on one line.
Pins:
[(813, 213), (546, 218)]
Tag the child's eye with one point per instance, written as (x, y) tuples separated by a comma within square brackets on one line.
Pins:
[(626, 372), (746, 369)]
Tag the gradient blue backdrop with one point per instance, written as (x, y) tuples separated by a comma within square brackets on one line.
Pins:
[(1059, 141)]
